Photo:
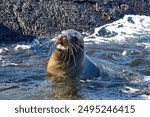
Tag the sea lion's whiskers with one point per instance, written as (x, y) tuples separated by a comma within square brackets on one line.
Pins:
[(78, 46), (73, 56), (61, 55), (74, 47), (45, 45), (55, 42), (48, 45), (69, 55), (66, 55), (50, 51)]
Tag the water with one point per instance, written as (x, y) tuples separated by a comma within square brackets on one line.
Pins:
[(121, 50)]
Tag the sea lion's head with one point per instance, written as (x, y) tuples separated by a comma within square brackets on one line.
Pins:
[(69, 46), (69, 38), (68, 59)]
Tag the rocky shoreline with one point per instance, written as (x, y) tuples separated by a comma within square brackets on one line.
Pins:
[(26, 19)]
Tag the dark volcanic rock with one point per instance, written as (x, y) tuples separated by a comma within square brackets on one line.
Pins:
[(46, 17), (10, 36)]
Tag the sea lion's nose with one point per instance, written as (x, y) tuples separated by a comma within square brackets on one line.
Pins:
[(59, 38), (64, 39)]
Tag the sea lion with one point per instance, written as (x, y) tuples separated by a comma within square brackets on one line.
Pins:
[(68, 59)]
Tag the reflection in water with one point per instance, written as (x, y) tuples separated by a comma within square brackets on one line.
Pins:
[(63, 88)]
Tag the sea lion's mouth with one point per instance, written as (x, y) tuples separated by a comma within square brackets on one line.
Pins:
[(61, 43), (60, 47)]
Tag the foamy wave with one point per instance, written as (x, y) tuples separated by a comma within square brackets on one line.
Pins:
[(3, 50), (22, 47), (146, 78), (146, 97), (9, 64), (128, 89), (130, 27)]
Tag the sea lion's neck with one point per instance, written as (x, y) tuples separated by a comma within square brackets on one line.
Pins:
[(70, 63), (59, 67)]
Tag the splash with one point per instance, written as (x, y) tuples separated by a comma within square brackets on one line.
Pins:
[(130, 27)]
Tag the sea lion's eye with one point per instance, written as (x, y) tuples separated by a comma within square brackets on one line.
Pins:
[(74, 38)]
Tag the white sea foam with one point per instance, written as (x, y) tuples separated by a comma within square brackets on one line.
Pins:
[(146, 97), (33, 44), (146, 78), (3, 50), (147, 46), (128, 89), (9, 64), (130, 27), (22, 47), (124, 53)]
